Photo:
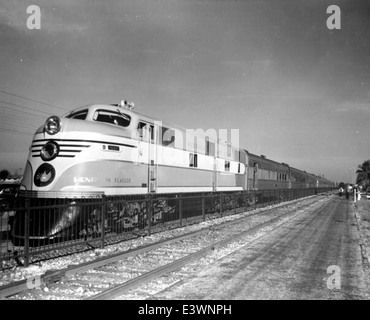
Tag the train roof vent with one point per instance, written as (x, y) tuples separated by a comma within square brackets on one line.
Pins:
[(263, 156)]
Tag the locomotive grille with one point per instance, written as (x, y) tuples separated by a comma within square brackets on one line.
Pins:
[(70, 148), (67, 149)]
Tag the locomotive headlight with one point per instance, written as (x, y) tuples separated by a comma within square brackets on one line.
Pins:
[(53, 125), (49, 151)]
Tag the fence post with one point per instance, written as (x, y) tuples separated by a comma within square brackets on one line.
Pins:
[(149, 214), (203, 208), (180, 210), (27, 234), (103, 213), (246, 199), (221, 204), (354, 195), (262, 195), (234, 203), (269, 198)]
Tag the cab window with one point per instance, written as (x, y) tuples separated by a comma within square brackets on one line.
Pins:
[(81, 115), (112, 117)]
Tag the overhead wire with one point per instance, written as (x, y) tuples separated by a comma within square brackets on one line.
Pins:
[(28, 108), (16, 131), (9, 123), (21, 109), (33, 100), (12, 117), (4, 108)]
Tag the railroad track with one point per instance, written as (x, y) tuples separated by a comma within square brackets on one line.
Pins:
[(128, 275)]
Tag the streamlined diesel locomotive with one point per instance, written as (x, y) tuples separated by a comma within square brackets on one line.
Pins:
[(111, 150)]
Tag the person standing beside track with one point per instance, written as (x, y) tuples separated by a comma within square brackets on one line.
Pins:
[(340, 192), (348, 190)]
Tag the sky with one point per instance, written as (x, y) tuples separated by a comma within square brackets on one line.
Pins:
[(297, 91)]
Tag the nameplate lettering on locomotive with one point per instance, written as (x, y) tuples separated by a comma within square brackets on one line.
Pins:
[(118, 180), (84, 179)]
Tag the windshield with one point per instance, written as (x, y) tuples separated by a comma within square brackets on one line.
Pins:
[(81, 115), (112, 117)]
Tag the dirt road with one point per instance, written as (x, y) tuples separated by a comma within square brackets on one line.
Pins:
[(290, 263)]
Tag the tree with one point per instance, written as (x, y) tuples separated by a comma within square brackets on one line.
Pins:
[(363, 173), (4, 174)]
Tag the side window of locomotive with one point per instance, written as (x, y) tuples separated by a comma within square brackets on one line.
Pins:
[(143, 129), (80, 115), (207, 146), (193, 160), (168, 137), (112, 117), (227, 165)]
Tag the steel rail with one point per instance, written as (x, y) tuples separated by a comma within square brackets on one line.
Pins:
[(55, 276), (118, 290)]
